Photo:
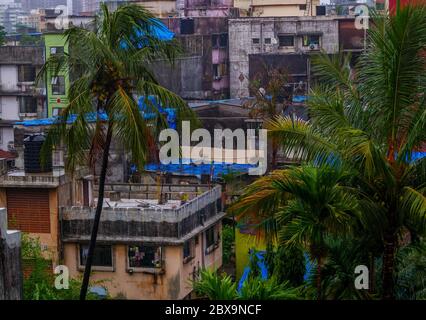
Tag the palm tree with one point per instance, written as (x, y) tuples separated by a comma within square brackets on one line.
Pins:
[(306, 205), (110, 64), (372, 119)]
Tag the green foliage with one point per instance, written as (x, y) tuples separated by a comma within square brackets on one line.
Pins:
[(288, 264), (27, 40), (228, 242), (411, 276), (215, 287), (271, 289), (367, 120), (221, 287), (39, 285)]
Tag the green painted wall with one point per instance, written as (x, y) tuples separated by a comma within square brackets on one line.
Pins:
[(54, 100)]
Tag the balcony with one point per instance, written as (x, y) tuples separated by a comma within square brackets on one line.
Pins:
[(142, 219), (21, 89)]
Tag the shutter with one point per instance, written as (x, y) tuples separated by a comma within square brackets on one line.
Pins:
[(28, 210)]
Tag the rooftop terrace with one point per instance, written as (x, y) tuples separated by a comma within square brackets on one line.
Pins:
[(140, 218)]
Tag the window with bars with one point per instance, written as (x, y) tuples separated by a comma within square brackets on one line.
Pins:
[(144, 256), (26, 73), (58, 85), (27, 105)]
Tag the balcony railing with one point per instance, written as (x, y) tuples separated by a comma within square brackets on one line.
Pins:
[(160, 224)]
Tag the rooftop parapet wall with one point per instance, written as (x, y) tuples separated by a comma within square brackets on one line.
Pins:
[(14, 55), (150, 191), (162, 225)]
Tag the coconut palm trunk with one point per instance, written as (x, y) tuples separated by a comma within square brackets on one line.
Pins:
[(101, 193), (389, 266)]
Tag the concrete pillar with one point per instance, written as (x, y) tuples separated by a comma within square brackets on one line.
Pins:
[(10, 261)]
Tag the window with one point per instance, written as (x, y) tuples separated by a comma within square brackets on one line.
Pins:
[(58, 85), (219, 40), (311, 39), (223, 40), (188, 250), (220, 70), (27, 105), (26, 73), (255, 40), (144, 256), (380, 6), (56, 50), (212, 239), (286, 41), (302, 7), (267, 40), (101, 258), (187, 26)]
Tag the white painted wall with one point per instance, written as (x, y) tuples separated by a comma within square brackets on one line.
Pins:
[(9, 77), (6, 135), (9, 107)]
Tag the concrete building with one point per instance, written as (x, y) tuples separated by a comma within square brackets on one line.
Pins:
[(33, 200), (147, 250), (279, 8), (9, 14), (202, 71), (281, 36), (10, 261), (20, 97)]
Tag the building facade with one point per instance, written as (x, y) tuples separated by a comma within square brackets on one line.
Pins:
[(20, 97), (279, 8), (147, 250), (281, 36)]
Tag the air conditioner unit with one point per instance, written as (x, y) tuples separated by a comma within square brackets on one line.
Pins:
[(314, 46), (11, 146)]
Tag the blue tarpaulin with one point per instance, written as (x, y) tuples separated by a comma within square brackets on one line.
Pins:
[(157, 30), (168, 113), (216, 169)]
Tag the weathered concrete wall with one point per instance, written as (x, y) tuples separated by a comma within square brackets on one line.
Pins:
[(171, 282), (243, 31), (157, 225), (22, 55), (10, 261)]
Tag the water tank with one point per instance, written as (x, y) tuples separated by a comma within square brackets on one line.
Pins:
[(32, 148)]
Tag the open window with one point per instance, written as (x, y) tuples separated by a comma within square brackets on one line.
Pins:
[(58, 85), (212, 239), (144, 256), (188, 250)]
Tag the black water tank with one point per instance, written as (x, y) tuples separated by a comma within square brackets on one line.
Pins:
[(32, 148)]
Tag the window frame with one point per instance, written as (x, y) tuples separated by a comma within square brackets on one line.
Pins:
[(62, 51), (192, 248), (57, 77), (81, 266), (209, 248), (309, 40), (147, 269), (26, 98), (286, 35)]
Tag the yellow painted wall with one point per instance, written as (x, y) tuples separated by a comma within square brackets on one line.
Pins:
[(243, 243), (175, 283)]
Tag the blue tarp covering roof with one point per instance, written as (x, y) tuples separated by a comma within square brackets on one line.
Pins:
[(169, 114), (157, 30), (216, 169)]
